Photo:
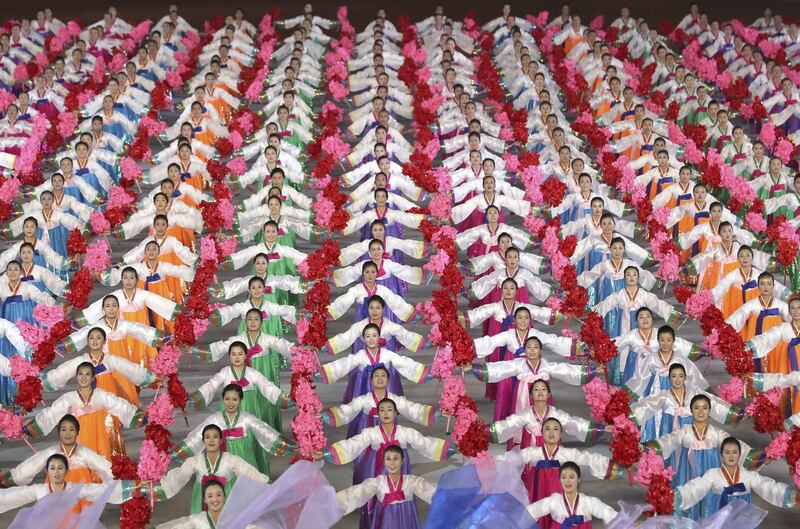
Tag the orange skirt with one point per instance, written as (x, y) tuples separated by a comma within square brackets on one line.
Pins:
[(101, 432), (161, 288), (187, 237), (733, 300), (141, 353), (714, 273)]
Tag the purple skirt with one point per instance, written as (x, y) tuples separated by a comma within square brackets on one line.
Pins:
[(364, 468), (401, 515), (359, 382)]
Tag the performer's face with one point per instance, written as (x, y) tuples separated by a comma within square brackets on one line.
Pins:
[(387, 413), (551, 431), (393, 462), (570, 480), (677, 378), (211, 441)]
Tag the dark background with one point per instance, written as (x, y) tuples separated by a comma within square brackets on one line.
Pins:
[(363, 11)]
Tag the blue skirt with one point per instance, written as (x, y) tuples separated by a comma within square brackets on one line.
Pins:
[(58, 239), (653, 386), (666, 427), (704, 460), (115, 129), (602, 288), (91, 179), (402, 515), (8, 388), (594, 257), (75, 193)]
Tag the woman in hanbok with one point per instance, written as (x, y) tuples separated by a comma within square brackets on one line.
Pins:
[(242, 434), (43, 253), (393, 248), (608, 277), (472, 212), (62, 201), (399, 310), (292, 222), (524, 428), (498, 317), (637, 344), (619, 309), (595, 234), (782, 341), (717, 487), (543, 465), (91, 171), (393, 219), (274, 317), (85, 465), (156, 277), (57, 466), (520, 372), (488, 289), (652, 370), (234, 287), (18, 297), (212, 494), (376, 440), (38, 276), (571, 509), (184, 220), (761, 314), (139, 306), (697, 448), (109, 369), (91, 406), (738, 286), (262, 398), (668, 408), (212, 463), (53, 225), (392, 495), (171, 250), (283, 260), (394, 336), (367, 359), (482, 240), (393, 276), (775, 183)]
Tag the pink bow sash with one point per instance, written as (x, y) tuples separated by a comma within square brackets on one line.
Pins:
[(256, 349), (242, 382), (285, 133), (230, 433), (698, 444), (382, 342), (267, 289), (394, 494), (281, 232), (273, 256), (681, 411), (80, 409), (213, 477)]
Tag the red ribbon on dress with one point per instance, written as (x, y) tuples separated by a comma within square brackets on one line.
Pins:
[(234, 433), (242, 382), (252, 352)]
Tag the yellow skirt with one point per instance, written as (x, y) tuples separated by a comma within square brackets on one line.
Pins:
[(161, 288)]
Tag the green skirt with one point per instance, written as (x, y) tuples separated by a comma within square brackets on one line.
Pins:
[(248, 449)]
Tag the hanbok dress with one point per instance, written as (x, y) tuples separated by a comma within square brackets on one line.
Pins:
[(242, 435), (394, 501), (97, 433), (225, 469), (696, 455)]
